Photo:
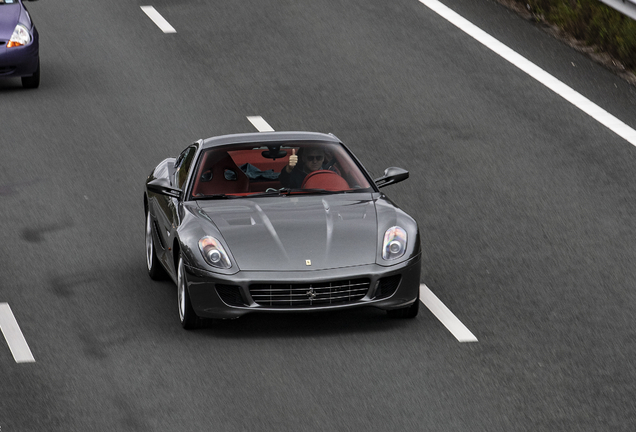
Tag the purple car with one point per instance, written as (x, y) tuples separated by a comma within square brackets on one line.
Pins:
[(19, 44)]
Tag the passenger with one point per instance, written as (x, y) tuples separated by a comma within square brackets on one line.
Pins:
[(293, 174)]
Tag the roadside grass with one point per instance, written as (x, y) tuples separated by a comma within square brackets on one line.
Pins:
[(591, 22)]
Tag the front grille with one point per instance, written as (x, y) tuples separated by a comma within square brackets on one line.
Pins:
[(230, 294), (310, 294), (387, 286)]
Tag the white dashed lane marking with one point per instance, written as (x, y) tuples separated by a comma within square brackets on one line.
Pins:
[(158, 19), (569, 94), (445, 316), (13, 335), (260, 124)]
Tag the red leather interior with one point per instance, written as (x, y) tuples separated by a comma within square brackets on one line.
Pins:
[(219, 184), (325, 179)]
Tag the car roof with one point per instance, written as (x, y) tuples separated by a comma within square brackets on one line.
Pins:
[(268, 137)]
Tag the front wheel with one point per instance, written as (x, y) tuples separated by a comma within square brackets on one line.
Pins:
[(189, 319), (155, 269), (32, 81)]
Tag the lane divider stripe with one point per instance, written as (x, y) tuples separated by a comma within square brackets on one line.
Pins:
[(566, 92), (445, 316), (13, 335), (158, 19), (260, 124)]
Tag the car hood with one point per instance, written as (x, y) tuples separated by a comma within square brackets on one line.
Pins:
[(297, 233), (9, 15)]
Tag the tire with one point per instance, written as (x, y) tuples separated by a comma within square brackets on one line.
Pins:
[(406, 312), (187, 316), (32, 81), (155, 269)]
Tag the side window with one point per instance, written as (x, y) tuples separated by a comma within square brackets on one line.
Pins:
[(182, 165)]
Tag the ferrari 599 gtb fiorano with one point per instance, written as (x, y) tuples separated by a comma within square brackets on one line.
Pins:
[(277, 222)]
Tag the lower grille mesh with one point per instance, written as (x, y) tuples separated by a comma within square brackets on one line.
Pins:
[(387, 286), (310, 294), (230, 294)]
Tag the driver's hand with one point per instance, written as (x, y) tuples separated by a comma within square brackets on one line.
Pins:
[(293, 160)]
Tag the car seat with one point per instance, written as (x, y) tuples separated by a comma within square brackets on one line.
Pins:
[(222, 177)]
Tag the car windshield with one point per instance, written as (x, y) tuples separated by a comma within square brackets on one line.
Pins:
[(8, 1), (269, 170)]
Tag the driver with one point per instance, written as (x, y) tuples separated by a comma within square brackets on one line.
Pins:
[(293, 174)]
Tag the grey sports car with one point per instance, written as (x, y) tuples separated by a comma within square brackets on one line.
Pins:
[(278, 222)]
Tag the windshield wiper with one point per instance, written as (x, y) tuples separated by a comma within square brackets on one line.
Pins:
[(288, 191), (214, 196), (320, 191), (271, 192)]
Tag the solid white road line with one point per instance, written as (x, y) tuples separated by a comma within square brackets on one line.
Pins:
[(13, 335), (158, 19), (535, 72), (260, 124), (445, 316)]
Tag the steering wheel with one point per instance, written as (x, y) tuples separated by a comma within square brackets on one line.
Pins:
[(325, 179)]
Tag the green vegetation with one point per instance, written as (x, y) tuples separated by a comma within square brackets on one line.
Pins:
[(592, 22)]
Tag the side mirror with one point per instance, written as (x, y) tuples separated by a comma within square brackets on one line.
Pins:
[(162, 186), (391, 176)]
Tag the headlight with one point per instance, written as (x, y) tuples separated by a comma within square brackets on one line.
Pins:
[(213, 252), (394, 244), (19, 37)]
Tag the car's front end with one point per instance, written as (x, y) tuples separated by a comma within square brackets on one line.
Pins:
[(216, 295), (300, 254), (19, 41)]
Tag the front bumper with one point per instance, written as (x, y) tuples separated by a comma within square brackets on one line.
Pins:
[(19, 61), (203, 287)]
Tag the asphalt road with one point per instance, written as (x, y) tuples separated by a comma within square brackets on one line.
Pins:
[(524, 202)]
